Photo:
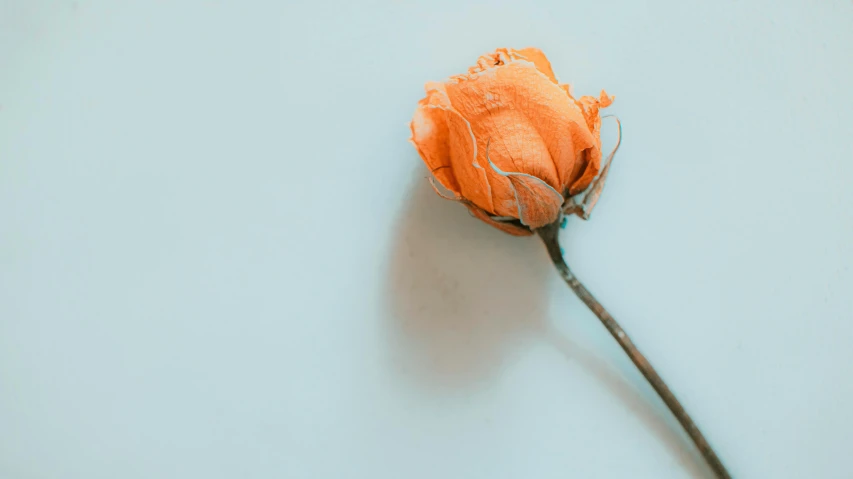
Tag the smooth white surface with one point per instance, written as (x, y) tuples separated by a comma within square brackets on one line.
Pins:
[(219, 256)]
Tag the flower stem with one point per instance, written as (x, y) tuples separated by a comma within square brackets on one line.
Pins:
[(549, 235)]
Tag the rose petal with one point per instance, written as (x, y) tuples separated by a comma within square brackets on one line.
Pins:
[(592, 162), (539, 203), (590, 107), (605, 100), (539, 59), (430, 135), (447, 144)]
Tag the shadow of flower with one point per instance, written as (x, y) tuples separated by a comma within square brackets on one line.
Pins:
[(460, 293), (645, 405)]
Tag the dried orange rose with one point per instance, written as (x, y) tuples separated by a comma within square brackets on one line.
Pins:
[(508, 140)]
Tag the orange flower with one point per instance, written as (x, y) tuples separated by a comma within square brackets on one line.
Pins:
[(510, 141)]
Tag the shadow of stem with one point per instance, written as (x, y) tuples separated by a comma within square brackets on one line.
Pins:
[(657, 420)]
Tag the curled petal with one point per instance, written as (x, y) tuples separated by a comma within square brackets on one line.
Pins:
[(590, 107), (605, 100), (511, 228), (446, 142), (431, 137), (590, 197), (539, 59), (442, 194), (539, 204)]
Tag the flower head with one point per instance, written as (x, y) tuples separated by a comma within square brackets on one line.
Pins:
[(509, 140)]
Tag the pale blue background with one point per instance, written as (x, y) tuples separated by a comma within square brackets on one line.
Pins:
[(219, 257)]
